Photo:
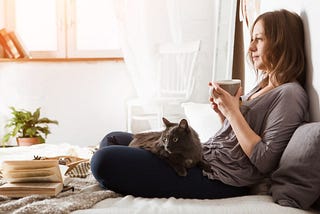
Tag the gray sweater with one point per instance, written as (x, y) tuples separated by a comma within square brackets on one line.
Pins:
[(274, 116)]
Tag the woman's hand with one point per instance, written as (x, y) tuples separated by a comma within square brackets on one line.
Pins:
[(228, 106), (214, 105), (222, 102)]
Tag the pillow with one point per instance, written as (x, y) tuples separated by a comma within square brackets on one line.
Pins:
[(202, 118), (296, 182)]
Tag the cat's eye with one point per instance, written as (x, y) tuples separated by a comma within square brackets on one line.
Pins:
[(164, 139), (175, 139)]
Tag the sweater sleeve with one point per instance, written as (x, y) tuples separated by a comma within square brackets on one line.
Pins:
[(286, 112)]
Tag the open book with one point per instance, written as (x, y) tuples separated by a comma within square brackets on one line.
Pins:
[(27, 177), (8, 45)]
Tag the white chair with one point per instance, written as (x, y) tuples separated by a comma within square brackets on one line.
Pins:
[(174, 84)]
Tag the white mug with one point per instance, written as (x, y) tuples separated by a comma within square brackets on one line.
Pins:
[(230, 86)]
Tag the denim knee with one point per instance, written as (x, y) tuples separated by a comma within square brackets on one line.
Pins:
[(98, 166)]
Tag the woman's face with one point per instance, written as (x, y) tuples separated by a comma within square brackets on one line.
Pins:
[(257, 46)]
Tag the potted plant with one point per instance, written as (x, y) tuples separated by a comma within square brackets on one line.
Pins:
[(27, 127)]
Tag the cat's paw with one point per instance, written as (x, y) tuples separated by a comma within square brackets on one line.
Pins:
[(189, 162), (181, 172), (112, 140), (204, 165)]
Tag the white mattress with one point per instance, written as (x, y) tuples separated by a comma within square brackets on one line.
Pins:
[(261, 204)]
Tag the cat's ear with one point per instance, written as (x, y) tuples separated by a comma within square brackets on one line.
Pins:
[(166, 122), (184, 124)]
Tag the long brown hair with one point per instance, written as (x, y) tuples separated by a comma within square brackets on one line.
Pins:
[(284, 55)]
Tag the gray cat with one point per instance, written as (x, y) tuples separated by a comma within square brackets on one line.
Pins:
[(178, 144)]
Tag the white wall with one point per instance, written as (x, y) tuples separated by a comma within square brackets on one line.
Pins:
[(88, 98)]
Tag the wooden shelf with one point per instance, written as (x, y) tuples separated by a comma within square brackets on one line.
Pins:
[(59, 59)]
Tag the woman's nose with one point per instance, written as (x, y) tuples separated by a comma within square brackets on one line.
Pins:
[(252, 46)]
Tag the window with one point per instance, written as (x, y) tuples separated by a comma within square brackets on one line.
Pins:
[(65, 28)]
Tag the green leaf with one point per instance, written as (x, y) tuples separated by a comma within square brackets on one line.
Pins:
[(36, 114), (47, 120), (16, 129), (6, 137)]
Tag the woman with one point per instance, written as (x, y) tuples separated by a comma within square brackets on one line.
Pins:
[(253, 136)]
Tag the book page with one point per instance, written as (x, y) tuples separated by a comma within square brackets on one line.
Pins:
[(28, 164), (43, 179), (32, 171), (30, 186), (26, 189)]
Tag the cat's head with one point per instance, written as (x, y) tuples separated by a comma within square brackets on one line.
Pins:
[(176, 136)]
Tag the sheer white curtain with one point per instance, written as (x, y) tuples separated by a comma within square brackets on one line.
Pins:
[(142, 25)]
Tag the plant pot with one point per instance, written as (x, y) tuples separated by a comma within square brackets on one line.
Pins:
[(28, 141)]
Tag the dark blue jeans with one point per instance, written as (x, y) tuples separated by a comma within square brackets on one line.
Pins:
[(137, 172)]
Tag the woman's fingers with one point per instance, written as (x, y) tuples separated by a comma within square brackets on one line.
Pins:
[(217, 89), (239, 92), (214, 106)]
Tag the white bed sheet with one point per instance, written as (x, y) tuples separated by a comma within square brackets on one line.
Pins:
[(258, 204)]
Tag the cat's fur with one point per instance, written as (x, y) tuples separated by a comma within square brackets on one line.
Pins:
[(178, 144)]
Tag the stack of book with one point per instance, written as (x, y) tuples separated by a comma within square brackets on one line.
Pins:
[(27, 177), (12, 45)]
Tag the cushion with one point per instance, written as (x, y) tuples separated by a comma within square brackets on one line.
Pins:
[(296, 182), (202, 118)]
